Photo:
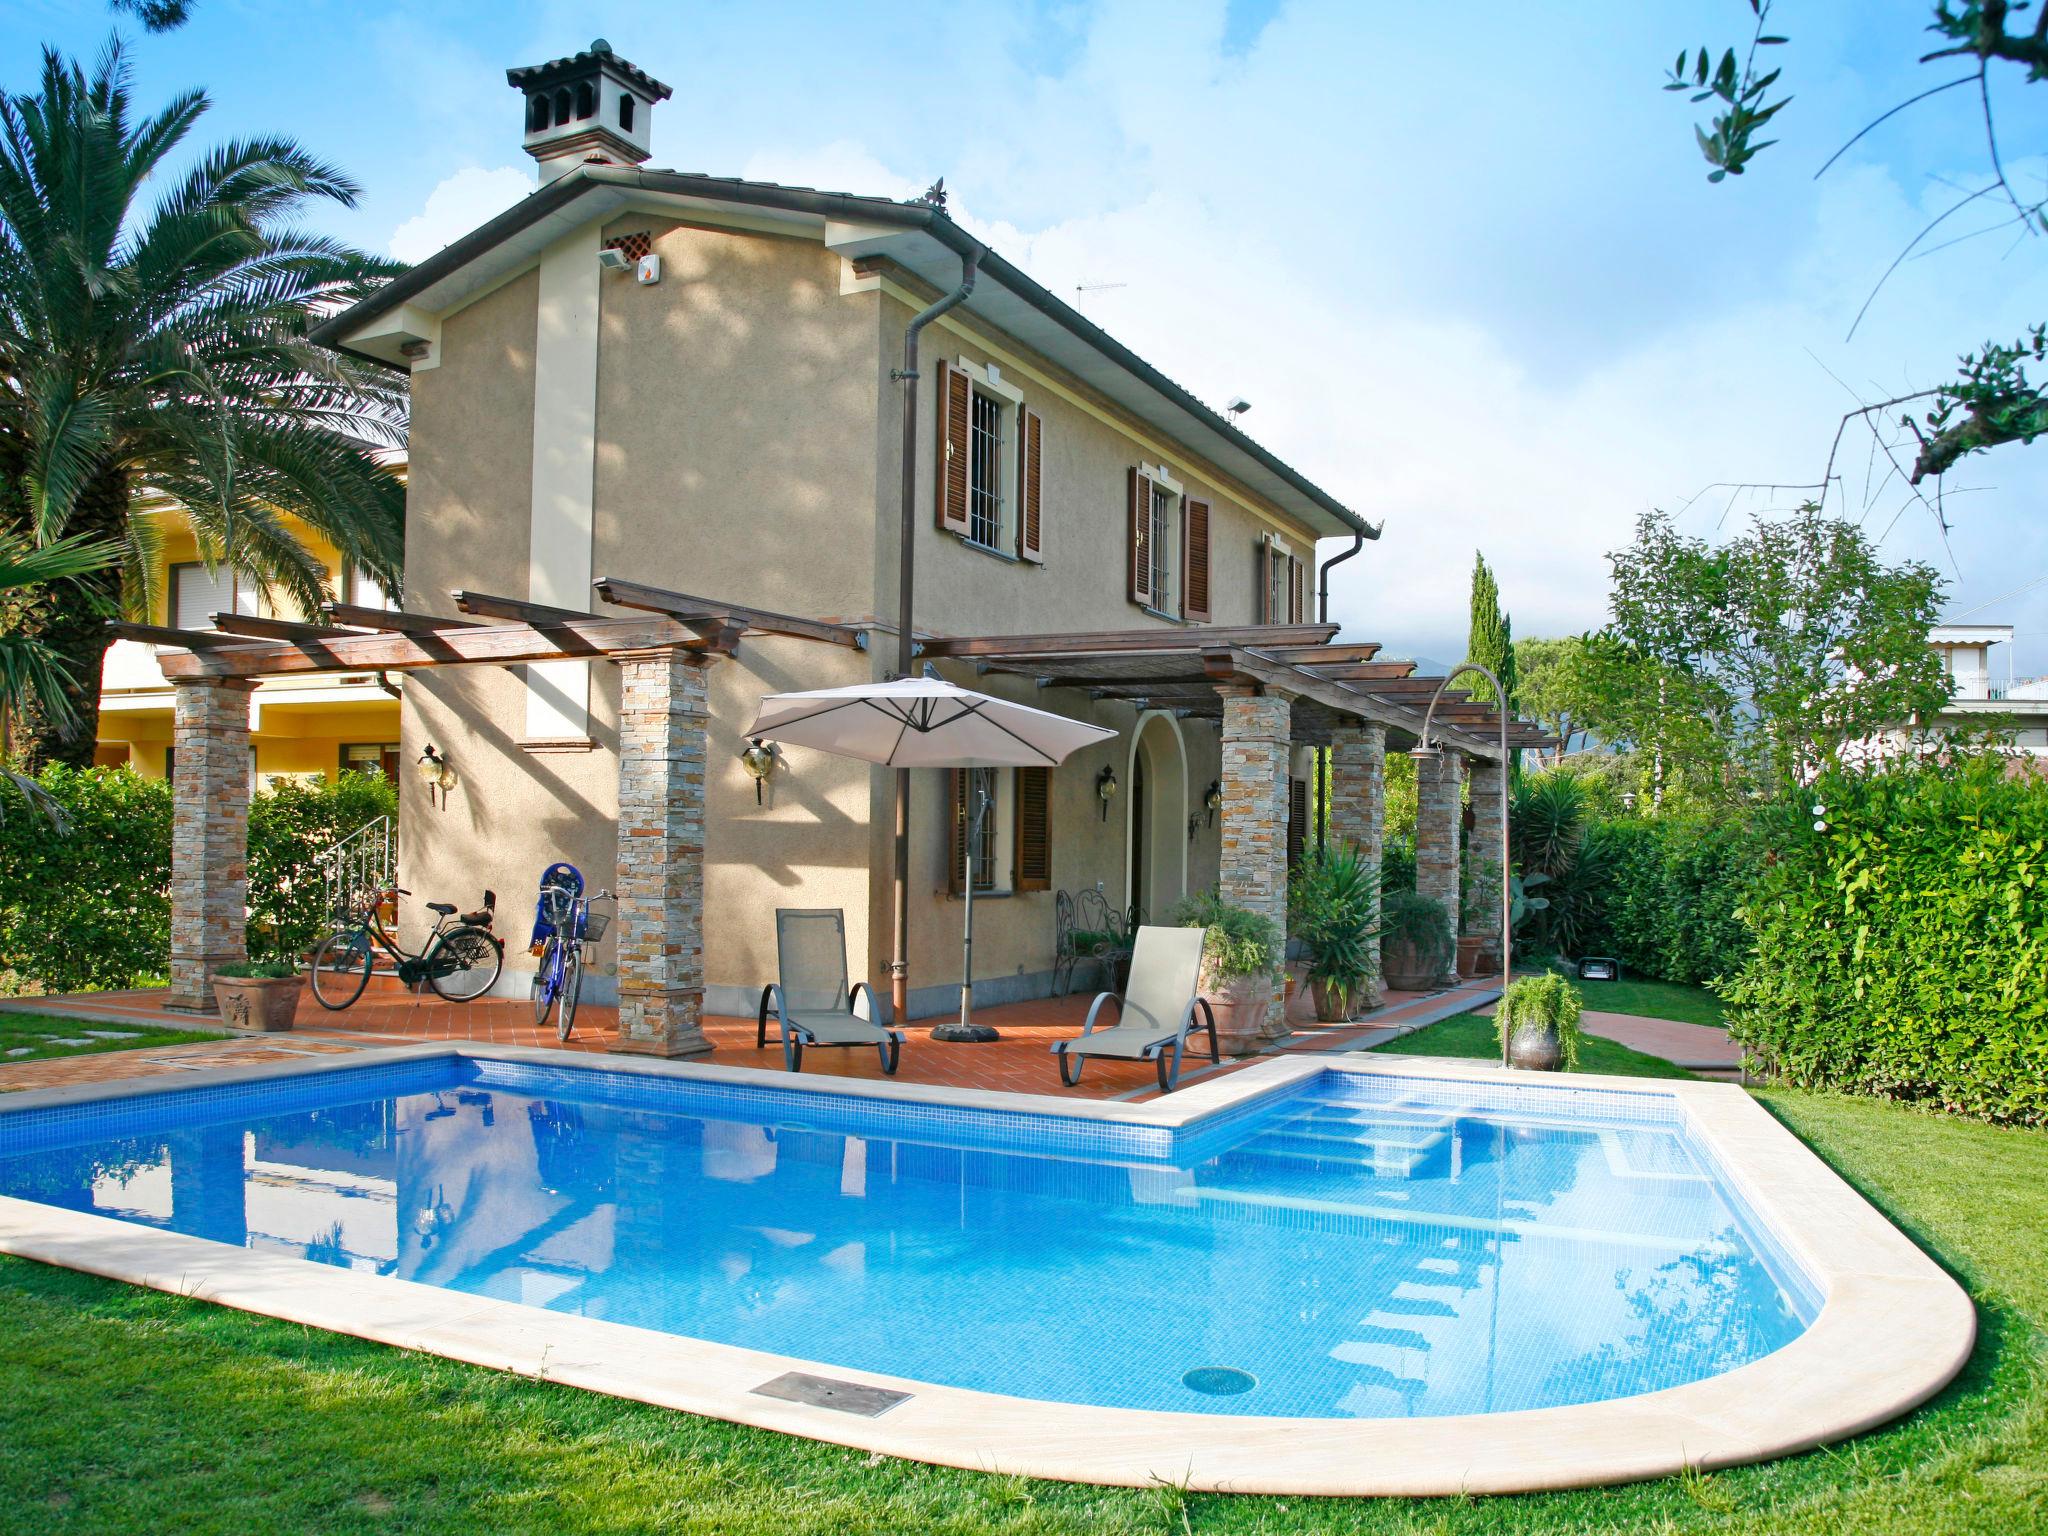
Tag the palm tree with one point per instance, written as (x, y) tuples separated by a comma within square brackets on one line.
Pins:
[(160, 354), (33, 677)]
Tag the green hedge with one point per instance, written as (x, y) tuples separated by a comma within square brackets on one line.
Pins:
[(91, 908), (1901, 928), (1668, 897)]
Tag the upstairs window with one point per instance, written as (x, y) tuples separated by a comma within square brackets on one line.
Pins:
[(1282, 582), (990, 465), (197, 594), (1168, 541)]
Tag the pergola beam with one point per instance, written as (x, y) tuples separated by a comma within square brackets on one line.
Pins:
[(1323, 655), (499, 644), (621, 593), (1123, 641), (194, 640), (1227, 663), (257, 627), (401, 623), (1363, 672)]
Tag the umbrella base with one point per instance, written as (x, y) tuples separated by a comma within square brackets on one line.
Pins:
[(957, 1033)]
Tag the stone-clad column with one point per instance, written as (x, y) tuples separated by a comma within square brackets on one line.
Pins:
[(661, 855), (209, 835), (1484, 852), (1358, 805), (1438, 818), (1358, 789), (1253, 868)]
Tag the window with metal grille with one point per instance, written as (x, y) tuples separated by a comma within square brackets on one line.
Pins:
[(982, 781), (1164, 544), (985, 470)]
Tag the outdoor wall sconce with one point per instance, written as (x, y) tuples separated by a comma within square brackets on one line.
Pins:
[(1105, 788), (1212, 799), (436, 772), (759, 760)]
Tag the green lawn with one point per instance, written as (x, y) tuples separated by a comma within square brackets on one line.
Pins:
[(1470, 1036), (36, 1036), (125, 1410), (1653, 1000)]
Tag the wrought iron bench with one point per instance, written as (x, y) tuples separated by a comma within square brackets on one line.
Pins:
[(1087, 930)]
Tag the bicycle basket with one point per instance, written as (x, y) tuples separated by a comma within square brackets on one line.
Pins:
[(595, 923)]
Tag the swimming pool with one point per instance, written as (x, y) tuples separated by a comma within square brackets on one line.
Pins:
[(1330, 1244)]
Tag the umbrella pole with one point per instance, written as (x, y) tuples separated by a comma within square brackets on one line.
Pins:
[(965, 1031)]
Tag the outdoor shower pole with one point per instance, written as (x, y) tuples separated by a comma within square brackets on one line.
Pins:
[(906, 648), (1500, 695)]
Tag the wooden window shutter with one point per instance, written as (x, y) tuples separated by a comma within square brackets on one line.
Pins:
[(956, 829), (956, 408), (1297, 821), (1294, 590), (1030, 526), (1031, 864), (1141, 537), (1194, 560)]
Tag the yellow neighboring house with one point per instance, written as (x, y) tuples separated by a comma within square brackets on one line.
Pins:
[(316, 726)]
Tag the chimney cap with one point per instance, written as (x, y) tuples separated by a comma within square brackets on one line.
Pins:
[(598, 55)]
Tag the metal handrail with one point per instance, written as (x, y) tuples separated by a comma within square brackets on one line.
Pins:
[(358, 866)]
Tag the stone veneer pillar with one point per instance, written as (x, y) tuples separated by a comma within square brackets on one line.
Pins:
[(1484, 851), (209, 836), (1253, 861), (1358, 806), (1439, 815), (661, 855)]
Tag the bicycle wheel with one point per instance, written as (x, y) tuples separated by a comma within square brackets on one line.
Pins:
[(572, 988), (341, 969), (544, 985), (466, 964)]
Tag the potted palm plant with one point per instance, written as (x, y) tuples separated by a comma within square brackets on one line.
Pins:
[(258, 994), (1241, 955), (1537, 1024), (1333, 906), (1416, 945)]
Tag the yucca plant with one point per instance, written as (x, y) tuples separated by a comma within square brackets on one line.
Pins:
[(159, 354)]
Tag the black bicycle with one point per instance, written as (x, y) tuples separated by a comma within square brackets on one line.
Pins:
[(460, 960)]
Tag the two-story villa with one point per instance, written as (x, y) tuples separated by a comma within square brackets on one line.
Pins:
[(687, 381)]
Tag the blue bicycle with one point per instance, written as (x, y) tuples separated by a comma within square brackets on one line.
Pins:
[(562, 924)]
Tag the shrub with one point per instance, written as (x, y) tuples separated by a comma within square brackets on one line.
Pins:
[(1541, 1002), (1669, 893), (258, 970), (87, 908), (1333, 904), (1901, 932), (1240, 942), (1409, 917), (90, 908)]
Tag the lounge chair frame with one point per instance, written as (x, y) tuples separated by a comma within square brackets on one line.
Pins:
[(1165, 1048), (809, 1027)]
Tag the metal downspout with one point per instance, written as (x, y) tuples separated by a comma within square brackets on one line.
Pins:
[(1323, 774), (906, 650)]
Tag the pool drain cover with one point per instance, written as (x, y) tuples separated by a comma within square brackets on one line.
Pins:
[(830, 1392), (1219, 1380)]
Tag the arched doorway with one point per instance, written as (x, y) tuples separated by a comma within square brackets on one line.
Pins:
[(1156, 812)]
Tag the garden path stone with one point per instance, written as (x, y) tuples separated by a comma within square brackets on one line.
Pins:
[(113, 1034)]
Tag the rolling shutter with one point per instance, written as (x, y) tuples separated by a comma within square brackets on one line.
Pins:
[(956, 407), (1030, 442), (1031, 863), (1194, 561), (1141, 537)]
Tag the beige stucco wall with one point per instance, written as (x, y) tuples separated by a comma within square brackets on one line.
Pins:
[(746, 449)]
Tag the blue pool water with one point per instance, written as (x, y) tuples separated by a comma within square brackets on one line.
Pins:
[(1358, 1246)]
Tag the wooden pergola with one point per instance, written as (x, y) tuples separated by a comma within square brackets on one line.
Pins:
[(1269, 688)]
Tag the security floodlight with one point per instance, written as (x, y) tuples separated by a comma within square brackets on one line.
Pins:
[(1238, 407), (612, 259)]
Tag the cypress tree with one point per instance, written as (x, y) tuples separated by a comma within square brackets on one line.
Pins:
[(1490, 641)]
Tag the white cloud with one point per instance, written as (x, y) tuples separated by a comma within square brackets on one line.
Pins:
[(455, 207)]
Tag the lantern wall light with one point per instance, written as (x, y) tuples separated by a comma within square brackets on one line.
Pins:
[(1212, 799), (436, 772), (759, 760), (1105, 788)]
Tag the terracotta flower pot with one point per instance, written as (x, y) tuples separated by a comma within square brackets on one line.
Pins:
[(258, 1002), (1240, 1005), (1335, 1004), (1402, 967), (1469, 946)]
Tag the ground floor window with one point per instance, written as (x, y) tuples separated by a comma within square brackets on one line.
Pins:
[(371, 757)]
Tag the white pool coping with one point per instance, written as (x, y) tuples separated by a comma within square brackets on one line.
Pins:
[(1893, 1327)]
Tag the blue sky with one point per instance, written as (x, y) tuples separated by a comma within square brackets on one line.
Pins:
[(1470, 275)]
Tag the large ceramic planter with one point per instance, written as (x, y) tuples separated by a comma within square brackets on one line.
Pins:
[(266, 1003), (1469, 947), (1240, 1005), (1534, 1048), (1334, 1005), (1402, 968), (1299, 1006)]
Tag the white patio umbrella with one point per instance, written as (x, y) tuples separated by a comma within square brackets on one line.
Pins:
[(926, 722)]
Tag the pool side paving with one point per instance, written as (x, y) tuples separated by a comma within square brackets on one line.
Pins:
[(1021, 1062)]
